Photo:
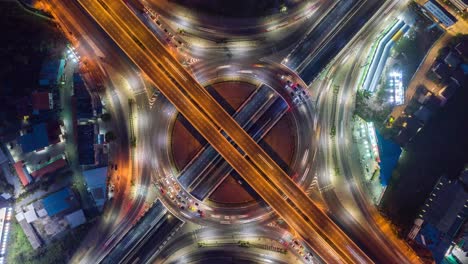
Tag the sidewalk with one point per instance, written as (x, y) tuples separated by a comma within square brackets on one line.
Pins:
[(366, 143)]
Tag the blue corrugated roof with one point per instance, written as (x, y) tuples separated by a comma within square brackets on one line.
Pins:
[(35, 140), (434, 240), (51, 71), (59, 201)]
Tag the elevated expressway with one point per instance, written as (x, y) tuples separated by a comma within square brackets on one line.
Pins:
[(207, 116)]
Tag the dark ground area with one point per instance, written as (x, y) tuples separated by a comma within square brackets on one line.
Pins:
[(441, 148), (410, 51), (235, 8), (25, 41)]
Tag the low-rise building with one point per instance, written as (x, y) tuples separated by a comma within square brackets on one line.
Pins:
[(433, 103), (452, 60), (448, 91), (76, 218), (51, 72), (22, 173), (462, 49), (42, 101), (60, 202), (86, 141), (29, 231), (35, 139), (30, 214), (441, 217), (49, 168), (460, 76), (439, 13), (96, 180), (423, 114), (441, 70), (82, 99), (422, 95)]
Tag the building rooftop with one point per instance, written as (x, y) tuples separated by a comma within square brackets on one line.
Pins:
[(84, 107), (30, 233), (96, 182), (440, 13), (448, 91), (42, 101), (76, 218), (443, 213), (460, 76), (86, 144), (53, 131), (35, 140), (423, 114), (462, 49), (413, 126), (433, 102), (30, 216), (52, 167), (452, 59), (441, 70), (60, 201), (22, 174), (51, 71)]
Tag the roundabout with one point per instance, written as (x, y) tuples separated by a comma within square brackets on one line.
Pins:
[(256, 95)]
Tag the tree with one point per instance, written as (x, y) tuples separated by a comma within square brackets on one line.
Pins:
[(110, 136), (106, 117)]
